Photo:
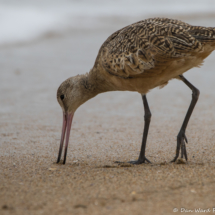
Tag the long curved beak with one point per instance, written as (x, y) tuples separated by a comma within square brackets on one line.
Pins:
[(67, 123)]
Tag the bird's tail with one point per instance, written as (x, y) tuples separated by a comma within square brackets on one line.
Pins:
[(203, 34)]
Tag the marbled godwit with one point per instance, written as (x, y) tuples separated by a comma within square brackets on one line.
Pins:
[(140, 57)]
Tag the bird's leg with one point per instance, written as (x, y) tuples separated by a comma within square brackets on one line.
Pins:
[(181, 138), (147, 119)]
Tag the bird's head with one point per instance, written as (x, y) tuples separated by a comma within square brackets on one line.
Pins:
[(72, 93)]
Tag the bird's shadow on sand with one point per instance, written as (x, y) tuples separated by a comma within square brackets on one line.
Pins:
[(129, 165)]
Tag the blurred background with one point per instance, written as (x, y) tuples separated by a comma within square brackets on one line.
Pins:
[(42, 43), (25, 20)]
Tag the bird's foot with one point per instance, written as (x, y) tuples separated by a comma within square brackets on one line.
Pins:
[(139, 161), (181, 139)]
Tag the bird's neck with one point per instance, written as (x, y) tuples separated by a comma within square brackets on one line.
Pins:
[(95, 83), (92, 84)]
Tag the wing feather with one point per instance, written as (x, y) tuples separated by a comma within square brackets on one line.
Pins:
[(144, 46)]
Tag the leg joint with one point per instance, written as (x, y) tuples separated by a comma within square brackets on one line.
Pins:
[(148, 116), (196, 93)]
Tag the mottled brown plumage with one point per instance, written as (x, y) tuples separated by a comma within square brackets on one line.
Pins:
[(150, 47), (140, 57)]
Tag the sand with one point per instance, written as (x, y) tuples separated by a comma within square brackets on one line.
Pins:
[(106, 129)]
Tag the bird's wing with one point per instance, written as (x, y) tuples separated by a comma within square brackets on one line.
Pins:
[(203, 34), (147, 46)]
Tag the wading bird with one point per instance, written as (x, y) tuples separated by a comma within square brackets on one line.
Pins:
[(140, 57)]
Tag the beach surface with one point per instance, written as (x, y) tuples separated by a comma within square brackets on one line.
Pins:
[(107, 128)]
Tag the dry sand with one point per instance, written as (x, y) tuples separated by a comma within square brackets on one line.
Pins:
[(105, 129)]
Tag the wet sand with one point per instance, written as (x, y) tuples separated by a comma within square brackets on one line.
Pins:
[(105, 129)]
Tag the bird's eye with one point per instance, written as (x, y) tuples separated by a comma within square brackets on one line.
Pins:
[(62, 97)]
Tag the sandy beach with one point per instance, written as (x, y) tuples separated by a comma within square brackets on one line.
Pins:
[(107, 128)]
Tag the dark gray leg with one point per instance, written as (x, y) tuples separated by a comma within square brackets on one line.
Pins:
[(147, 119), (181, 138)]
